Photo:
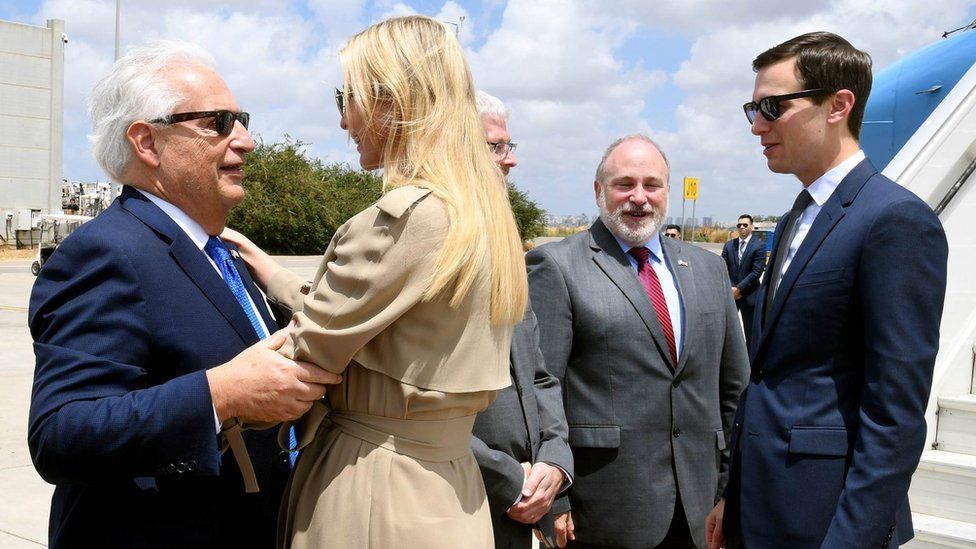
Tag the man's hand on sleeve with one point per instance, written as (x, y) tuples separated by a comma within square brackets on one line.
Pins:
[(543, 483), (565, 530), (736, 294), (260, 385), (714, 536)]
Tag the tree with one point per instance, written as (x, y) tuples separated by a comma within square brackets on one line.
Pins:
[(529, 217), (293, 204)]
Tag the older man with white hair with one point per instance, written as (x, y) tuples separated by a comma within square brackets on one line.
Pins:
[(520, 439), (642, 333), (150, 338)]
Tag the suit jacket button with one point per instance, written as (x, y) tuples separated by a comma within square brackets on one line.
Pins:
[(676, 432), (191, 465), (676, 382), (181, 467)]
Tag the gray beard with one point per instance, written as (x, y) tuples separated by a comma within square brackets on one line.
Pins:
[(632, 236)]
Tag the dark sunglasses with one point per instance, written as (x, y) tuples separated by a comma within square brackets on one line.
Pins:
[(769, 106), (742, 225), (671, 235), (223, 119), (340, 97)]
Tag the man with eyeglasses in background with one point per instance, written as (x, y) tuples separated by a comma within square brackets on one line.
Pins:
[(494, 117), (148, 331), (832, 424), (745, 258), (521, 439)]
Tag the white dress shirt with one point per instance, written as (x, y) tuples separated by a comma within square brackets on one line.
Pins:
[(668, 285), (820, 190)]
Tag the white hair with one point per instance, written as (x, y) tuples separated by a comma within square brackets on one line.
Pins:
[(490, 106), (135, 89)]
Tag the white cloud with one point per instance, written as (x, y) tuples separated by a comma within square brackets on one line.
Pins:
[(554, 64), (564, 67), (713, 137)]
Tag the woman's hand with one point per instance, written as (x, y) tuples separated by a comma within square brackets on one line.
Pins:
[(262, 266)]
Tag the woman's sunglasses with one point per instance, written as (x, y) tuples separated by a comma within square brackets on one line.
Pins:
[(340, 97)]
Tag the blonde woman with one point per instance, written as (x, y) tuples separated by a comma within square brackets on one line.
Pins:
[(413, 303)]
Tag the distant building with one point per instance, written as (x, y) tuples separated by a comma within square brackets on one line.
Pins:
[(31, 123), (707, 222), (569, 220)]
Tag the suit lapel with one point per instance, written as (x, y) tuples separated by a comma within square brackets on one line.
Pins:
[(193, 262), (611, 260), (829, 215), (833, 210), (684, 278)]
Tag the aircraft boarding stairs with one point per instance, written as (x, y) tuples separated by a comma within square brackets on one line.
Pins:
[(938, 164)]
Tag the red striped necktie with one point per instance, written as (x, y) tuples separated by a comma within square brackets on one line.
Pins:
[(652, 285)]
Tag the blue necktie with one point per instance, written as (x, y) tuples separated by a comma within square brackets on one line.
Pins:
[(221, 256)]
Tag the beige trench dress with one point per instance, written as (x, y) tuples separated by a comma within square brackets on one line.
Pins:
[(387, 461)]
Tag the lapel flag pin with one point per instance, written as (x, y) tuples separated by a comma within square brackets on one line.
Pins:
[(682, 262)]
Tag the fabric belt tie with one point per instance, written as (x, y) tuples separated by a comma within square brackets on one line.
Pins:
[(433, 440), (231, 431)]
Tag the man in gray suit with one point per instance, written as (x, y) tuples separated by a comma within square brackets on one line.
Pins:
[(644, 336), (520, 441)]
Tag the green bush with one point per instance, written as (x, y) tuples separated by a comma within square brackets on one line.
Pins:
[(530, 218), (294, 204)]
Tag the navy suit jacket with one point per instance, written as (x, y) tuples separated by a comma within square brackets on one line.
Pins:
[(126, 315), (832, 424), (745, 274)]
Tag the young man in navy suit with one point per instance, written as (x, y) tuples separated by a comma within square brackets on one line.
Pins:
[(148, 334), (832, 424), (745, 257)]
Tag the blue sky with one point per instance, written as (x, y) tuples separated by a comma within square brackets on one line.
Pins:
[(576, 74)]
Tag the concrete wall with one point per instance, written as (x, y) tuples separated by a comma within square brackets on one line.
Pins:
[(31, 119)]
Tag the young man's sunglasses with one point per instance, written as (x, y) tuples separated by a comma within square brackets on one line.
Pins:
[(223, 119), (769, 106), (742, 225)]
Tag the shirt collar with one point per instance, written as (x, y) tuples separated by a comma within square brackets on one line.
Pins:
[(653, 245), (189, 226), (824, 186), (746, 239)]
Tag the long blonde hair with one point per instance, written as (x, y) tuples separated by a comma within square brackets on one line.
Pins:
[(409, 78)]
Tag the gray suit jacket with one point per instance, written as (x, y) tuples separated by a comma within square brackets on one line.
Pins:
[(640, 432), (525, 423)]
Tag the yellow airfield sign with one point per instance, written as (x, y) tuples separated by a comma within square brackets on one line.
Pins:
[(691, 188)]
